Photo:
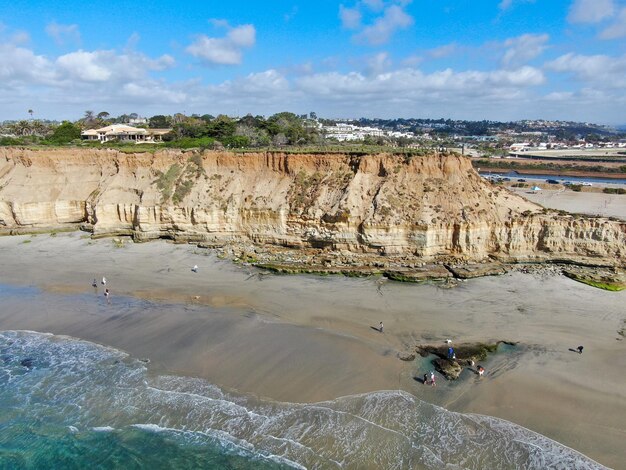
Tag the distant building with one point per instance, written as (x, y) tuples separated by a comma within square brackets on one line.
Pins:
[(125, 133), (138, 121), (520, 147)]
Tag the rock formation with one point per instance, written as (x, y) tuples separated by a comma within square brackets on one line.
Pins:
[(429, 208)]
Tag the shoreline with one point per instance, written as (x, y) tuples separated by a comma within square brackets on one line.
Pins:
[(309, 338)]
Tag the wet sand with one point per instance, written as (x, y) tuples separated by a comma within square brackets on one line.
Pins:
[(302, 338)]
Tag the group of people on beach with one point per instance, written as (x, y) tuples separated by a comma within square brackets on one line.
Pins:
[(107, 294), (430, 379)]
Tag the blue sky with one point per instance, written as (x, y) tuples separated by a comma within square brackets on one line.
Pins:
[(466, 59)]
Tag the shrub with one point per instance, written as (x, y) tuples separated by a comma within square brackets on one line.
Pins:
[(614, 190)]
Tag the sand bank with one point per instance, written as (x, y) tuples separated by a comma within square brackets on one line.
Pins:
[(300, 338), (606, 205)]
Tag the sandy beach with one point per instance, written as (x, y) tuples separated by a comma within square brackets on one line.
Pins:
[(305, 338), (596, 203)]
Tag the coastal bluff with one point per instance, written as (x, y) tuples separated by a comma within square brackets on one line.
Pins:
[(425, 208)]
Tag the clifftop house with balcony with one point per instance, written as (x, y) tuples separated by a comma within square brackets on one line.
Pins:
[(125, 133)]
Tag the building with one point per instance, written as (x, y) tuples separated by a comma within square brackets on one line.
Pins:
[(125, 133)]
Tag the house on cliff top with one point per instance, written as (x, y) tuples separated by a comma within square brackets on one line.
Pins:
[(125, 133)]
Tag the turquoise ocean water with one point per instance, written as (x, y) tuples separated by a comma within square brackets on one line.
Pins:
[(67, 403)]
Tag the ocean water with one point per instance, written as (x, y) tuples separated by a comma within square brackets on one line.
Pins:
[(68, 403)]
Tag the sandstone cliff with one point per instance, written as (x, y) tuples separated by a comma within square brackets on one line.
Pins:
[(427, 207)]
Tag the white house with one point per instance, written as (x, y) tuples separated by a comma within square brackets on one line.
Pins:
[(125, 133)]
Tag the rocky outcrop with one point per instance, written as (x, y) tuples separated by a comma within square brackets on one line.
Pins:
[(466, 355), (425, 208)]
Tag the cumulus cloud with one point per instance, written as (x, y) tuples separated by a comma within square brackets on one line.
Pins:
[(414, 83), (350, 17), (19, 65), (146, 92), (520, 50), (107, 65), (387, 17), (393, 19), (600, 69), (226, 50), (63, 33), (617, 29), (590, 11)]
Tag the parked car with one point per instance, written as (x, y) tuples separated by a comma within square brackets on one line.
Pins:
[(587, 183), (506, 179), (521, 180), (553, 182)]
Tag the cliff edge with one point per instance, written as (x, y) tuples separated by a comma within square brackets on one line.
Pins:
[(429, 208)]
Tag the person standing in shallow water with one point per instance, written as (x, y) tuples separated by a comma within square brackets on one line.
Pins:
[(432, 379), (106, 295)]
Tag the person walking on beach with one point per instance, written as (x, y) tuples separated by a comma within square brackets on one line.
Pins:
[(94, 284), (425, 379), (104, 281), (106, 295), (580, 349), (432, 379), (380, 328), (481, 371)]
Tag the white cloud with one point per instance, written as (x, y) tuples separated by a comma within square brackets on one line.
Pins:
[(146, 92), (617, 29), (107, 65), (443, 51), (378, 63), (388, 18), (602, 70), (394, 18), (590, 11), (20, 38), (506, 4), (19, 65), (350, 17), (63, 33), (375, 5), (412, 61), (411, 83), (227, 50), (520, 50)]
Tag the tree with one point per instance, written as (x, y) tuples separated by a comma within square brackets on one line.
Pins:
[(65, 133), (222, 126), (103, 116), (158, 121), (30, 111)]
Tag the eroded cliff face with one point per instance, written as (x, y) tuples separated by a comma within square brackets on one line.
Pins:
[(426, 207)]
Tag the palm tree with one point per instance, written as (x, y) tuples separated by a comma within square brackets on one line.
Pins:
[(30, 111)]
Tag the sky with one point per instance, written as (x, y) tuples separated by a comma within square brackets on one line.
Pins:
[(459, 59)]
